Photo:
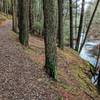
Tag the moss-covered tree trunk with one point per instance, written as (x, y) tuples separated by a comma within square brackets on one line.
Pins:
[(50, 32), (23, 21)]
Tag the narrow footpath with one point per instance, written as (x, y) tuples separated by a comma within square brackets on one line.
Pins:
[(20, 77)]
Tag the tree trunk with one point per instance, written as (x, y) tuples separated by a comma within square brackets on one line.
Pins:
[(31, 16), (80, 26), (98, 57), (1, 5), (89, 25), (23, 21), (4, 6), (50, 33), (60, 25), (76, 19), (71, 23), (14, 16)]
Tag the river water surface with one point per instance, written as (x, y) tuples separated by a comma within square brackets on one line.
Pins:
[(89, 53)]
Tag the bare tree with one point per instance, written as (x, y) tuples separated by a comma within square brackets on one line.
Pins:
[(89, 25), (80, 26)]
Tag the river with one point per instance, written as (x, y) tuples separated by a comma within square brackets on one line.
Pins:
[(89, 53)]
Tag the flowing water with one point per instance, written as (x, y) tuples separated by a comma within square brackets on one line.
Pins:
[(89, 53)]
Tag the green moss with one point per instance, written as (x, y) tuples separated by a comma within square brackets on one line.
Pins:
[(51, 70), (60, 98), (67, 87)]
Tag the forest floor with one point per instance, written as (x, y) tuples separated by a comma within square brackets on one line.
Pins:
[(22, 76)]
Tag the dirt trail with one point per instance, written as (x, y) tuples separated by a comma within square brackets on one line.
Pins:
[(20, 78)]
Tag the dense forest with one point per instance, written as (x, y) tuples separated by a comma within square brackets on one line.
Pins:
[(49, 49)]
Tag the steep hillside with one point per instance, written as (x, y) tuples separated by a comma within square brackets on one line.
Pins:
[(23, 74)]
